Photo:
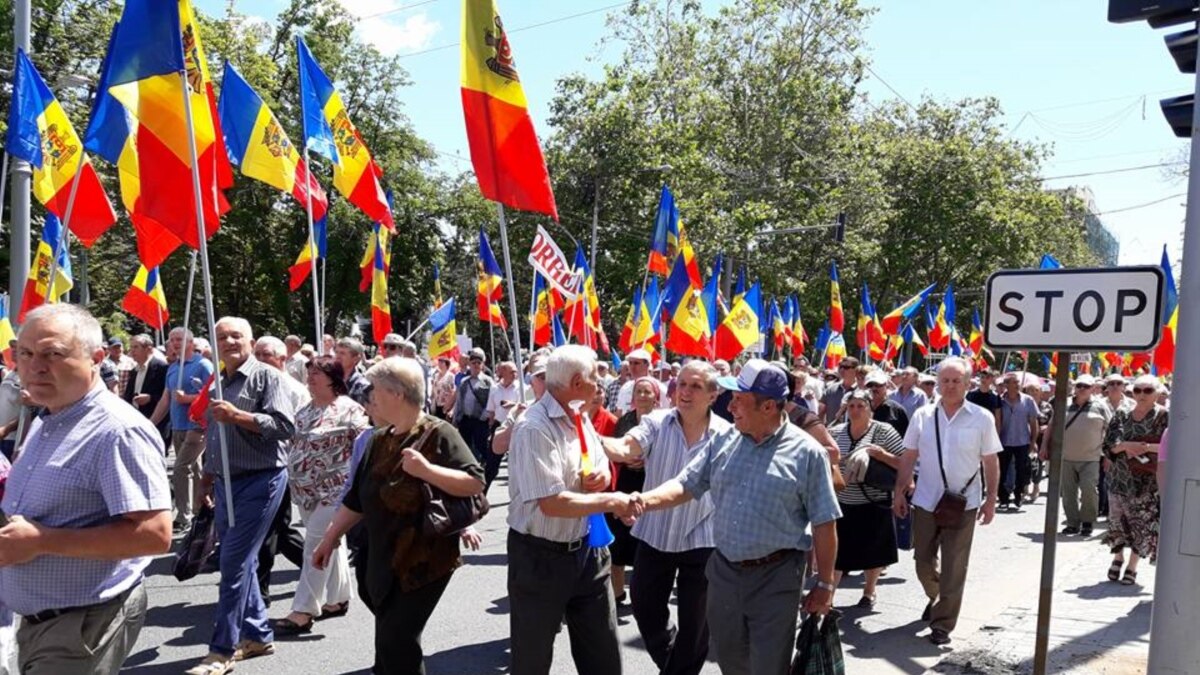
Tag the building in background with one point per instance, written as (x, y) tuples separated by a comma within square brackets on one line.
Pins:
[(1099, 238)]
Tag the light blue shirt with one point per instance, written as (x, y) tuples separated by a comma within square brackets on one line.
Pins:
[(911, 401), (765, 494), (196, 372), (82, 467), (1014, 420)]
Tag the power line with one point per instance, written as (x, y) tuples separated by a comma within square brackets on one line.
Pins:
[(395, 10), (524, 28), (1142, 206), (1110, 171)]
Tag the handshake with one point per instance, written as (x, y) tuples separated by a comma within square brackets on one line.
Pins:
[(627, 507)]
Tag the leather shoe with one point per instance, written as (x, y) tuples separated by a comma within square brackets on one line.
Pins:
[(939, 637)]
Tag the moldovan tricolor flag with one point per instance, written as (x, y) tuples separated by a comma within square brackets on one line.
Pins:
[(329, 132), (145, 299), (36, 287), (299, 270), (1164, 354), (6, 334), (40, 133), (906, 311), (740, 329), (261, 147), (444, 340), (490, 288), (381, 312), (147, 135), (504, 147), (837, 318)]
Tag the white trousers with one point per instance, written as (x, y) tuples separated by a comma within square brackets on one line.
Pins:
[(330, 586)]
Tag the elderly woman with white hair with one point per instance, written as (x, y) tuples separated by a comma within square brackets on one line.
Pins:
[(407, 570), (1130, 449)]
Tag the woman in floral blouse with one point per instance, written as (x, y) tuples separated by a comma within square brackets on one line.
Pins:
[(1131, 443), (318, 466)]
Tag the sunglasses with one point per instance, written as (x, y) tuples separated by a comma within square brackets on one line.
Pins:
[(1083, 386), (1145, 390), (391, 348), (874, 385)]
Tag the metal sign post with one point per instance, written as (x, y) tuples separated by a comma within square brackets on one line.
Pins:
[(1041, 650)]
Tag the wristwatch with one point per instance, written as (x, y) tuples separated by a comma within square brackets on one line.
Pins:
[(826, 586)]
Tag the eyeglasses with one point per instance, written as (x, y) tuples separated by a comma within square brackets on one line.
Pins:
[(1083, 386), (391, 348), (1145, 390)]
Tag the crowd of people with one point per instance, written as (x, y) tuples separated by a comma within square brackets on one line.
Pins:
[(748, 491)]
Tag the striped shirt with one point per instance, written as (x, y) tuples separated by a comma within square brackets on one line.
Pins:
[(878, 433), (544, 460), (82, 467), (258, 389), (666, 451), (765, 494)]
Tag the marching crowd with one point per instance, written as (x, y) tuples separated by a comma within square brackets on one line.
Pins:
[(747, 490)]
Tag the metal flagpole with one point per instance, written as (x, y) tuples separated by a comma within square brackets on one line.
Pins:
[(312, 239), (512, 299), (51, 296), (3, 180), (201, 232), (533, 310), (491, 333), (418, 328), (187, 313)]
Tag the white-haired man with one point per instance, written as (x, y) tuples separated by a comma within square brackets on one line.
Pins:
[(296, 364), (553, 574), (674, 546), (258, 417), (946, 443), (87, 504)]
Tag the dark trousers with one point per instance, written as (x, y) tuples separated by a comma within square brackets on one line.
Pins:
[(282, 539), (399, 622), (546, 584), (491, 461), (1018, 457), (675, 650), (356, 541), (1103, 491), (475, 433)]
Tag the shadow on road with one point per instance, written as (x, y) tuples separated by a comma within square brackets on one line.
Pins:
[(483, 658), (898, 647)]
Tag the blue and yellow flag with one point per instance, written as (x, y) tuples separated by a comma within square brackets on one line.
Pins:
[(740, 329), (837, 318), (36, 287), (666, 230), (689, 333), (40, 133), (490, 288), (6, 334), (444, 339)]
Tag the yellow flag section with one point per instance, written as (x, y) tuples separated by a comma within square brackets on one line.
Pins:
[(504, 147), (740, 328)]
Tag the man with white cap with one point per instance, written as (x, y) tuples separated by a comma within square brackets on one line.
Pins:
[(1083, 444), (768, 482), (638, 361)]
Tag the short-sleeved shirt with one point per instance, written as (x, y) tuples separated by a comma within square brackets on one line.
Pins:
[(879, 434), (832, 398), (667, 452), (765, 494), (1083, 438), (392, 503), (988, 400), (966, 438), (319, 457), (915, 398), (83, 466), (544, 459), (258, 389), (893, 415), (196, 372), (499, 394), (472, 397), (1014, 420), (625, 396)]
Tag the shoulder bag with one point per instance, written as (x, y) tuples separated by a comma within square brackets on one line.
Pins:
[(950, 508), (879, 475), (447, 515)]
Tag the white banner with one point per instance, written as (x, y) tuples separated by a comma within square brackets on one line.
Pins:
[(548, 259)]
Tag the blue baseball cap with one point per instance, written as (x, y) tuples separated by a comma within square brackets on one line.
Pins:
[(758, 377)]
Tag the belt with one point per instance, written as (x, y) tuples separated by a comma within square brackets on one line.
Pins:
[(48, 614), (765, 560), (557, 546)]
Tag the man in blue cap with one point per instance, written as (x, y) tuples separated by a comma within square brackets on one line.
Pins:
[(769, 481)]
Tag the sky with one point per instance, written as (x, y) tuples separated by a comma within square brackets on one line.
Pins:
[(1063, 75)]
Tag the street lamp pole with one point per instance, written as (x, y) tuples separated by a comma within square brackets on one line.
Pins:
[(22, 180)]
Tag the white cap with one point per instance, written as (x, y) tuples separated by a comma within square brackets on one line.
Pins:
[(639, 354)]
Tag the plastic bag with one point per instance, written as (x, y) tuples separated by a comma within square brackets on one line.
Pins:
[(197, 546), (819, 646)]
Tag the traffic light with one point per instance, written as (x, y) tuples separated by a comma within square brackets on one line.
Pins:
[(1161, 13), (839, 230)]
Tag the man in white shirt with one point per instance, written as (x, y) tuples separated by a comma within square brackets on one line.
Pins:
[(946, 443), (501, 397), (638, 361)]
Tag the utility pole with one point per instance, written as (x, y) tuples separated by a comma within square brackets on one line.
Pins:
[(20, 188)]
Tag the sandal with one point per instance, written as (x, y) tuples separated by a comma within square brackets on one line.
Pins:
[(213, 664), (333, 611), (1114, 570), (1130, 578), (286, 626)]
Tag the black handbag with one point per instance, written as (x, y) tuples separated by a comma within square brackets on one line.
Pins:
[(197, 546), (878, 475), (446, 515)]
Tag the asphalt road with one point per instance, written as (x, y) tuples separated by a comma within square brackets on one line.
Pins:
[(468, 633)]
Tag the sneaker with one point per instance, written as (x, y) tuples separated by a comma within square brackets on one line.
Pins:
[(939, 637), (1085, 530), (213, 664), (248, 649), (1070, 529)]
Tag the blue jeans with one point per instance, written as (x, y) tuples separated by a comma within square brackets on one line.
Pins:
[(241, 612)]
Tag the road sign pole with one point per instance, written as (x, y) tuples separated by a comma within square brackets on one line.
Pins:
[(1173, 644), (1050, 529)]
